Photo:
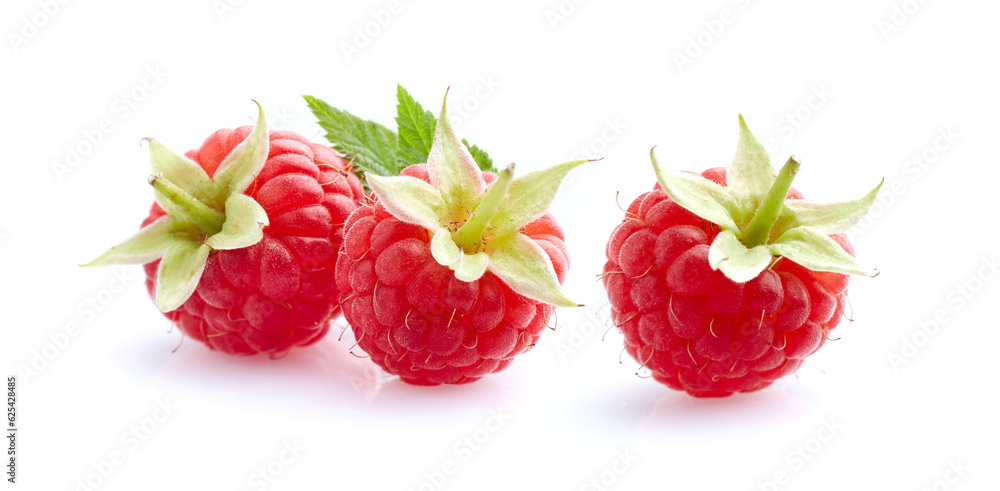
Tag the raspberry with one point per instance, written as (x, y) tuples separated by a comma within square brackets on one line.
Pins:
[(279, 291), (727, 336), (416, 319), (452, 270), (710, 328)]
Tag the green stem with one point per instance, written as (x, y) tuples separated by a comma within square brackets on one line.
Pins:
[(759, 228), (208, 219), (470, 234)]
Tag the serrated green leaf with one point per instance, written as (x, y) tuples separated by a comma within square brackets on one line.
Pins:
[(409, 199), (751, 173), (240, 168), (148, 244), (529, 196), (179, 274), (244, 225), (370, 146), (482, 159), (525, 267), (698, 195), (409, 156), (817, 252), (826, 218), (416, 128), (735, 260)]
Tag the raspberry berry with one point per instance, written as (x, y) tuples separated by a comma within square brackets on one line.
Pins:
[(453, 271), (724, 282), (241, 244)]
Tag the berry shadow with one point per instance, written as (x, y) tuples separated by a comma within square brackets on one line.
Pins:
[(319, 375), (646, 407), (414, 404)]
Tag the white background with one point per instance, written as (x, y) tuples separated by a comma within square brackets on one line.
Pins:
[(602, 75)]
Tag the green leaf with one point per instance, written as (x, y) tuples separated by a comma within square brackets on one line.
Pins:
[(370, 146), (735, 260), (817, 252), (483, 160), (452, 169), (416, 128), (148, 244), (240, 168), (179, 274), (244, 225), (698, 195), (410, 200), (529, 196), (827, 218), (523, 265), (409, 156), (751, 173)]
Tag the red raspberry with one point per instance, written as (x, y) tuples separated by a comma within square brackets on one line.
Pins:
[(416, 319), (695, 329), (280, 291), (725, 287), (453, 270)]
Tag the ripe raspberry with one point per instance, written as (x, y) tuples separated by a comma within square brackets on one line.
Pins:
[(711, 328), (416, 319), (439, 294), (262, 280)]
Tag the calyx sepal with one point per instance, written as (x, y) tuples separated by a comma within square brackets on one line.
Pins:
[(757, 223), (203, 214), (474, 227)]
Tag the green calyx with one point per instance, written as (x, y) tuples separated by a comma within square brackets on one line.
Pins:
[(208, 219), (203, 214), (474, 227), (757, 223), (470, 237), (759, 228)]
